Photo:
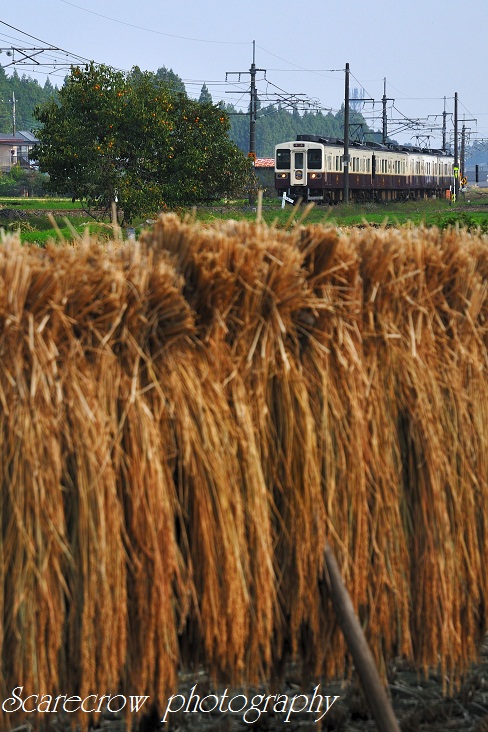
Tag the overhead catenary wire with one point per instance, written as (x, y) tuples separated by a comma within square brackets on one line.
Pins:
[(155, 30)]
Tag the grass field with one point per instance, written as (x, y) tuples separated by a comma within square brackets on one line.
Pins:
[(31, 215), (48, 204)]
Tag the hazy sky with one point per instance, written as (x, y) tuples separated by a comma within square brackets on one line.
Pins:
[(426, 49)]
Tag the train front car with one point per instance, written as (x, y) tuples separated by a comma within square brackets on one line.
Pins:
[(311, 168), (300, 171)]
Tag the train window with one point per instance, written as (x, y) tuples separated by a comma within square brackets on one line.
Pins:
[(283, 159), (329, 162), (298, 160), (314, 158), (368, 165)]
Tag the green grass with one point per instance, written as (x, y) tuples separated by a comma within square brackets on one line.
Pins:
[(428, 213), (49, 204), (471, 211), (39, 229), (63, 234)]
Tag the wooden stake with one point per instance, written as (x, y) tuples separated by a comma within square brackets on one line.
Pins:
[(363, 658), (260, 206)]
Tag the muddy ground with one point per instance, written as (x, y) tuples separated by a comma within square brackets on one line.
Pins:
[(418, 702)]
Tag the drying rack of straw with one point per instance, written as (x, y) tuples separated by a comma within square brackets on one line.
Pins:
[(186, 421)]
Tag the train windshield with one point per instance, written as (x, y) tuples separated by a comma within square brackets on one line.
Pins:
[(314, 159), (283, 159)]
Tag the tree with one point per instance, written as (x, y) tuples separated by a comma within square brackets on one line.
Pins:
[(205, 96), (132, 138), (174, 81), (28, 93)]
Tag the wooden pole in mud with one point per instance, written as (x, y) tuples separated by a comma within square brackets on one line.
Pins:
[(356, 642)]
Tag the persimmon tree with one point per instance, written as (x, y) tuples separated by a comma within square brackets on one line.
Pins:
[(132, 138)]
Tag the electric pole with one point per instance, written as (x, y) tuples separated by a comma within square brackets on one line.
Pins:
[(253, 100), (14, 114), (463, 147), (444, 127), (456, 155), (252, 107), (462, 161), (345, 193)]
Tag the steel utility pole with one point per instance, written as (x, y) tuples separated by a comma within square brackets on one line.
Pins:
[(462, 158), (463, 147), (14, 114), (444, 127), (252, 106), (253, 100), (456, 155), (384, 100), (345, 193)]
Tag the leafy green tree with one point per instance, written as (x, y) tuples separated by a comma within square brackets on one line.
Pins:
[(207, 162), (18, 181), (131, 138), (78, 135), (205, 96), (174, 81)]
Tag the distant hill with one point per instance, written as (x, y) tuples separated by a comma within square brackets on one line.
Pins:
[(28, 93), (273, 124)]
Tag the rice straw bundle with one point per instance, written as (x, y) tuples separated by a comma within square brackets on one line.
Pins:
[(186, 420)]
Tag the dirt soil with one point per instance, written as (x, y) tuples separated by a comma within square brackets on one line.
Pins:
[(418, 703)]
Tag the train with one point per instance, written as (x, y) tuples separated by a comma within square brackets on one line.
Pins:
[(311, 168)]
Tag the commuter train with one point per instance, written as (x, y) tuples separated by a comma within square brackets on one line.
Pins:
[(312, 168)]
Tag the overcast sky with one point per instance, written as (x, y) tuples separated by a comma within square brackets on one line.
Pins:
[(426, 49)]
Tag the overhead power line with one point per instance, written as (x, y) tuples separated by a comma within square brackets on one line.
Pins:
[(153, 30)]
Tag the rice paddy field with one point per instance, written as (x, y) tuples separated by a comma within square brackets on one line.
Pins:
[(33, 217), (187, 419)]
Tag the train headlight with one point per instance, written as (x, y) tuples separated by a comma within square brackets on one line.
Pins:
[(282, 175), (315, 176)]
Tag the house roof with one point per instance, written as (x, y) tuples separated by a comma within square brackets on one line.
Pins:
[(29, 136), (264, 163), (20, 138)]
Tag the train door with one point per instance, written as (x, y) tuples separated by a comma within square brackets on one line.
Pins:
[(298, 173)]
